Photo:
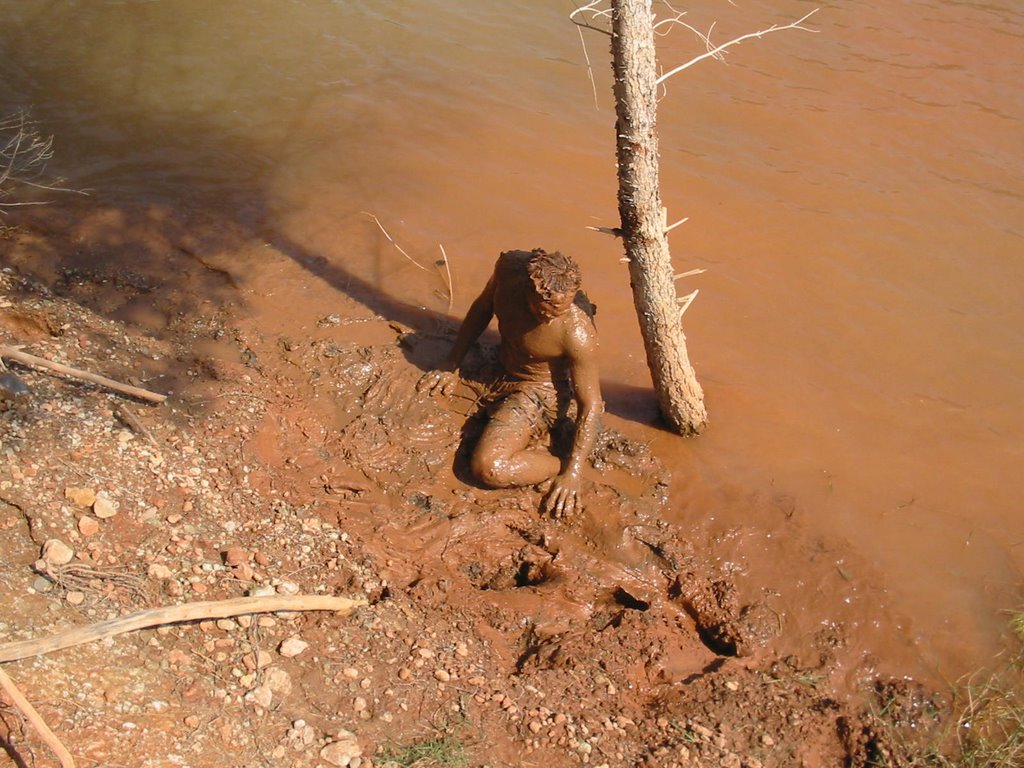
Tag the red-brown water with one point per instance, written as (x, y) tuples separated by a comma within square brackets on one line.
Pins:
[(855, 195)]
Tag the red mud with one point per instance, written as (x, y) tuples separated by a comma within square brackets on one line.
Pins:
[(298, 455)]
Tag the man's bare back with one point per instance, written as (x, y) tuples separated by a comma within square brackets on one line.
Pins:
[(548, 348)]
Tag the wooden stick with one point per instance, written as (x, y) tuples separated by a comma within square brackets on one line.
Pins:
[(211, 609), (19, 700), (15, 353)]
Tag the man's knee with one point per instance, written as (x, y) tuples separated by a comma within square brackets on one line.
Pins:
[(492, 469)]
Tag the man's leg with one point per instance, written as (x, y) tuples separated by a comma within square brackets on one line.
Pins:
[(501, 458)]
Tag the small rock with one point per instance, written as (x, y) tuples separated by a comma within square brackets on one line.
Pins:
[(257, 660), (42, 585), (343, 750), (277, 680), (261, 696), (80, 497), (262, 591), (235, 556), (88, 526), (173, 588), (292, 646), (159, 571), (75, 598), (104, 507), (192, 721), (288, 588), (56, 552), (442, 675)]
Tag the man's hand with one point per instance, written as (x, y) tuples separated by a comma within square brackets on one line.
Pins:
[(564, 496), (438, 382)]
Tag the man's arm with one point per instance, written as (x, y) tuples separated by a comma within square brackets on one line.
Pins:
[(563, 498), (475, 323)]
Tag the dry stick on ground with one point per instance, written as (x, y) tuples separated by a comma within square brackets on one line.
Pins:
[(15, 353), (215, 609), (26, 708), (174, 614)]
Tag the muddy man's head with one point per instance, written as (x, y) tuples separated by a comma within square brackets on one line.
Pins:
[(556, 280)]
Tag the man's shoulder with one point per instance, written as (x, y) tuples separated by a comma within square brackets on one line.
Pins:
[(513, 261), (580, 332)]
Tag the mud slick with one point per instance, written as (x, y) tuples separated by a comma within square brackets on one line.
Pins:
[(493, 635)]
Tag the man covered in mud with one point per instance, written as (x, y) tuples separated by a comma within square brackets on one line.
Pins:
[(548, 355)]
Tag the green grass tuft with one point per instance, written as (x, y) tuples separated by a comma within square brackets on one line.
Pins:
[(440, 752)]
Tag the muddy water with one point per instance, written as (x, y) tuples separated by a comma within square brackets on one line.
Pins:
[(855, 196)]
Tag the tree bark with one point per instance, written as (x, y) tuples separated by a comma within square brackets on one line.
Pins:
[(644, 226)]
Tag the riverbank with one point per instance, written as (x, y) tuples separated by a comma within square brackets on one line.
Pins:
[(300, 459)]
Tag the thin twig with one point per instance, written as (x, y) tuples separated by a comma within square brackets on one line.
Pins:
[(690, 273), (451, 286), (15, 353), (717, 50), (590, 67), (673, 226), (26, 708), (392, 241), (589, 8), (686, 301), (174, 614)]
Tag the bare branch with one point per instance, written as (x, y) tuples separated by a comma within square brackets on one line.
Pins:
[(717, 50), (451, 287), (595, 14), (689, 273), (670, 227), (24, 152), (686, 301), (392, 241)]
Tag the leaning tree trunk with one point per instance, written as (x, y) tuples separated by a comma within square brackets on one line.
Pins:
[(643, 218)]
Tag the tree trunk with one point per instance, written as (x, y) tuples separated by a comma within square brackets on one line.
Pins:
[(643, 218)]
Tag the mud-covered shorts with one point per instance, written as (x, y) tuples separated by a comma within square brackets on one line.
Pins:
[(528, 406)]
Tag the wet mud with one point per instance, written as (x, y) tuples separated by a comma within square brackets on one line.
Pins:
[(319, 454)]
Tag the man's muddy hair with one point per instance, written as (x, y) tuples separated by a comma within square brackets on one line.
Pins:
[(553, 273)]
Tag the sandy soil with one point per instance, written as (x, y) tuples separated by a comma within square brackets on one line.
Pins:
[(287, 464)]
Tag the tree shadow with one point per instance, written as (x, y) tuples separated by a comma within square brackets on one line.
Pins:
[(186, 196)]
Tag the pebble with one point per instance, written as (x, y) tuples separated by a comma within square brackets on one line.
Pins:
[(235, 556), (81, 497), (278, 680), (292, 647), (88, 526), (442, 675), (159, 571), (104, 507), (75, 598), (261, 696), (56, 552), (257, 660), (343, 750)]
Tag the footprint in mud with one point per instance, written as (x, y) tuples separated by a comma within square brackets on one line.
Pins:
[(724, 626)]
